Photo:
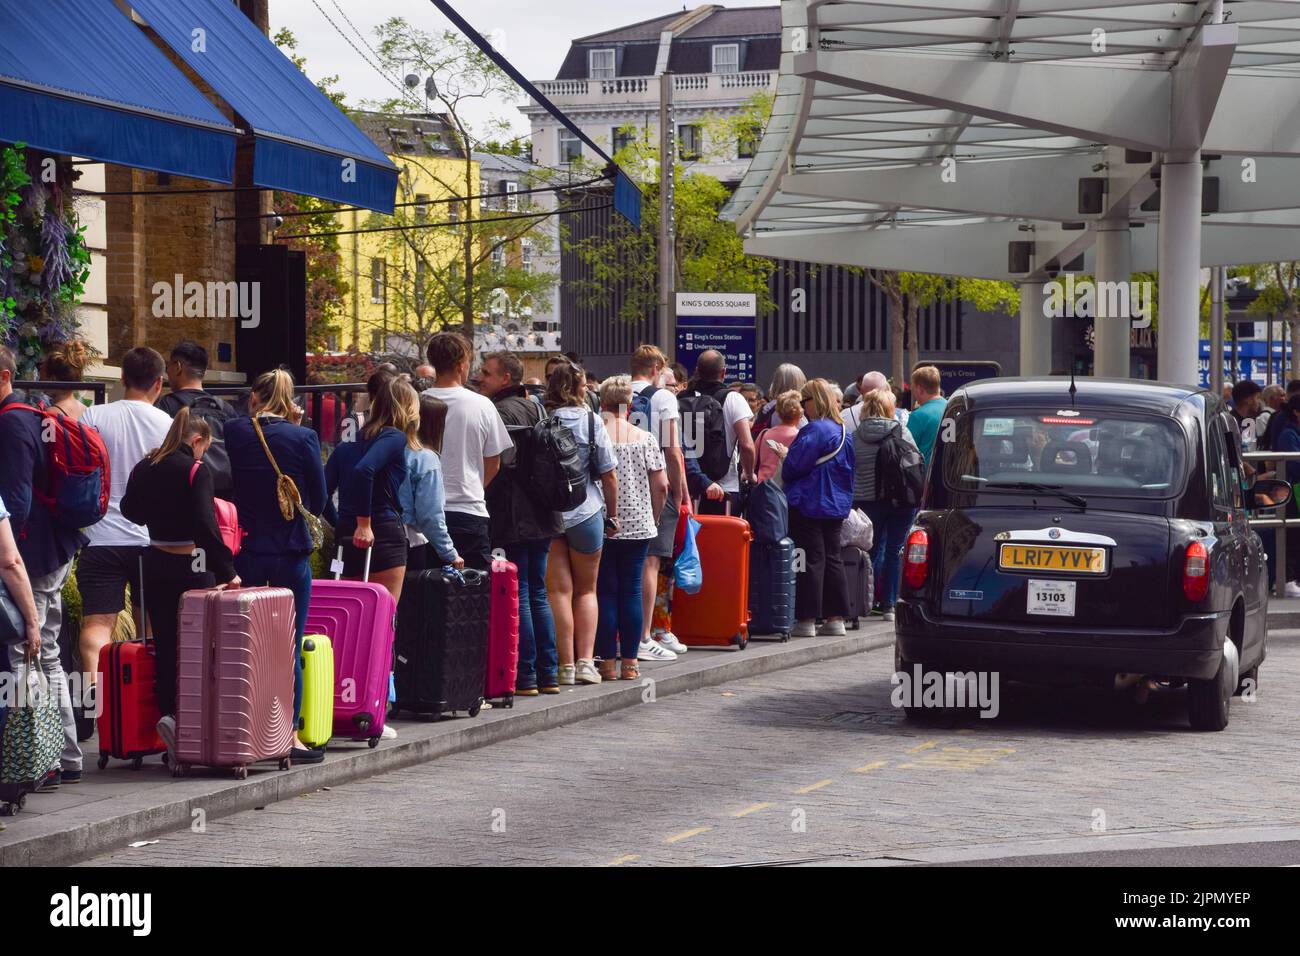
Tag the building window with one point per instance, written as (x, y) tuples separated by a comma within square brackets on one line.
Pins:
[(499, 257), (726, 58), (422, 210), (511, 191), (690, 137), (570, 147), (600, 64), (453, 212), (622, 138), (376, 340), (747, 142), (378, 280), (526, 257)]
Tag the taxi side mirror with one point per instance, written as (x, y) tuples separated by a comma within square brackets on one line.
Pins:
[(1270, 493)]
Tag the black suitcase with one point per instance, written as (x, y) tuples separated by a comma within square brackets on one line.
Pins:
[(771, 588), (859, 584), (441, 644)]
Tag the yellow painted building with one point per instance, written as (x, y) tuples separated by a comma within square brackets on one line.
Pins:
[(403, 279)]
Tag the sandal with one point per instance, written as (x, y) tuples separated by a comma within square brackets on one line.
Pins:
[(630, 671), (608, 670)]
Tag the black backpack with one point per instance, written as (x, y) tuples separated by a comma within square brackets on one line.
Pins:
[(215, 412), (556, 474), (704, 433), (900, 471)]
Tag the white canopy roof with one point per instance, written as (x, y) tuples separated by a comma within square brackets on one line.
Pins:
[(928, 134)]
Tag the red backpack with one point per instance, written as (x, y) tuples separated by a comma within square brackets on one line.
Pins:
[(76, 469)]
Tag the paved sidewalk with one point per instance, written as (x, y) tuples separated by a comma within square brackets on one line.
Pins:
[(117, 806)]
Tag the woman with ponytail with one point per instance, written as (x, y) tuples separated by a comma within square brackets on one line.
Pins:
[(279, 488), (173, 498)]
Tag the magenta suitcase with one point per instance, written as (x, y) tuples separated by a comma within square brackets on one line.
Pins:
[(358, 618), (503, 634), (234, 678)]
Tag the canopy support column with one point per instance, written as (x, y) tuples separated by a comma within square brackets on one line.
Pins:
[(1113, 314), (1035, 331), (1180, 267)]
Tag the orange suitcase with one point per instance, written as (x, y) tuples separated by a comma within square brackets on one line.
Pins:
[(718, 615)]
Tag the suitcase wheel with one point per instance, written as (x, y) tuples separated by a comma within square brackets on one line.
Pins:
[(476, 707), (178, 770), (241, 773), (785, 638), (11, 809), (137, 763), (510, 701), (740, 640), (285, 763), (102, 762), (373, 742)]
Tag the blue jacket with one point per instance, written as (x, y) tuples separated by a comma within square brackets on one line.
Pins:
[(424, 502), (1288, 439), (44, 544), (368, 474), (297, 452), (825, 490)]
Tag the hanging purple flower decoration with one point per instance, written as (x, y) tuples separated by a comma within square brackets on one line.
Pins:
[(54, 245)]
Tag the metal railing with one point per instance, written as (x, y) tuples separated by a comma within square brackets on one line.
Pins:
[(322, 416), (100, 389), (1275, 517)]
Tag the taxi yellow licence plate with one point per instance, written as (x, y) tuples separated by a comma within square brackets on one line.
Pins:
[(1036, 557)]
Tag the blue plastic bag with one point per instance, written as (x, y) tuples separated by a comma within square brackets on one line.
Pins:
[(688, 574)]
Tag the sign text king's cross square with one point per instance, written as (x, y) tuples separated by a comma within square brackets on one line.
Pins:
[(721, 321)]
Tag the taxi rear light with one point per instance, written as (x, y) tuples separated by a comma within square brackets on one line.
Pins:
[(1196, 571), (916, 559)]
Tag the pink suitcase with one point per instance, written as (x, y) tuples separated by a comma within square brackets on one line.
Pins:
[(359, 618), (234, 678), (503, 634)]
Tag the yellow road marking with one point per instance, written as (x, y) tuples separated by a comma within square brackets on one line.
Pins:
[(815, 786), (686, 835), (628, 858), (874, 765), (925, 746), (751, 809)]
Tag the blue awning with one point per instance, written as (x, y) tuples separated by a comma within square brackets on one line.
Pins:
[(78, 78), (304, 143)]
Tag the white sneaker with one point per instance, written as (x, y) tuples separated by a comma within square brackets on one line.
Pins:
[(831, 629), (888, 616), (389, 732), (586, 673), (669, 640), (167, 731), (804, 629), (1292, 589), (566, 678), (654, 651)]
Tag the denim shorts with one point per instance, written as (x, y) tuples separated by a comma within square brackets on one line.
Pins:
[(587, 537)]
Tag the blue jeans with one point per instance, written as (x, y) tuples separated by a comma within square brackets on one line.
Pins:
[(539, 662), (292, 571), (890, 525), (618, 590)]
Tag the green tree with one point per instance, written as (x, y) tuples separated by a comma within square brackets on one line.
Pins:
[(487, 274), (1279, 297)]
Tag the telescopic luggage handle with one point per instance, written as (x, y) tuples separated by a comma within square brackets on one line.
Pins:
[(338, 564)]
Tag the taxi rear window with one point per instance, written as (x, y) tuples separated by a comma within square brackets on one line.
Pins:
[(1073, 449)]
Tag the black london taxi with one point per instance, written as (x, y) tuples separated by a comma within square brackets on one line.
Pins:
[(1072, 532)]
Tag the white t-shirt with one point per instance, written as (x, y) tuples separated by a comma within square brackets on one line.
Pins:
[(663, 409), (130, 429), (734, 409), (474, 431)]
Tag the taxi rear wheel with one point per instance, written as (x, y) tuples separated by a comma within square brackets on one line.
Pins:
[(1208, 700)]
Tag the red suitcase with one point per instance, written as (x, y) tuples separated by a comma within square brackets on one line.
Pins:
[(503, 634), (234, 678), (359, 618), (128, 705), (718, 615)]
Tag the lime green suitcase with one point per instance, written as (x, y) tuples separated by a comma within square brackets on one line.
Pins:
[(316, 725)]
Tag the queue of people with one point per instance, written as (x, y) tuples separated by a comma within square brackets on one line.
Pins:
[(442, 479)]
